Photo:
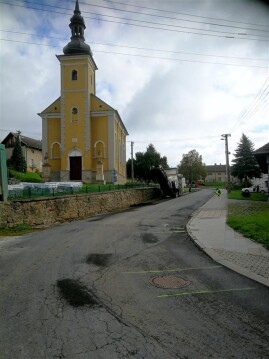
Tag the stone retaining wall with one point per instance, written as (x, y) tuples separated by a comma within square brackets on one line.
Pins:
[(51, 210)]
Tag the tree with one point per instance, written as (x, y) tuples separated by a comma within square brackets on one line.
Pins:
[(144, 161), (191, 166), (245, 165), (17, 159)]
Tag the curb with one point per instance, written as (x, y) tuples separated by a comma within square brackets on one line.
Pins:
[(212, 254)]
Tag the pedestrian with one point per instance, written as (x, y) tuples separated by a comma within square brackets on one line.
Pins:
[(218, 192)]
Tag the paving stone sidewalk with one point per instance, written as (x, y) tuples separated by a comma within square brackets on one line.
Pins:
[(208, 229)]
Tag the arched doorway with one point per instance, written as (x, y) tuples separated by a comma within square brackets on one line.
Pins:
[(75, 165)]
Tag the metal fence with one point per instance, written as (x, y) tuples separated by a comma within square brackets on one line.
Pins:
[(35, 190)]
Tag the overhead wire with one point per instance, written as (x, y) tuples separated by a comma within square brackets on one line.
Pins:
[(146, 56), (146, 14), (138, 48), (184, 13), (173, 18), (257, 103), (173, 140), (228, 36)]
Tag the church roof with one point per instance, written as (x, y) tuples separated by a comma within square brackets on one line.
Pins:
[(54, 107), (77, 45)]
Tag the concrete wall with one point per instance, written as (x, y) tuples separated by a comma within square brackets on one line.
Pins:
[(51, 210)]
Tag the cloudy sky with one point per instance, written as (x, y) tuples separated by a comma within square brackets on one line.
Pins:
[(180, 72)]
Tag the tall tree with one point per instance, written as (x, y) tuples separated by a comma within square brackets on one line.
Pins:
[(245, 165), (144, 161), (191, 166), (17, 159)]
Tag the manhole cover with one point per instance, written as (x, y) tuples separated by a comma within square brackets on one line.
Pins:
[(169, 281)]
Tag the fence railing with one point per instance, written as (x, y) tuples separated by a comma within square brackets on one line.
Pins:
[(35, 190)]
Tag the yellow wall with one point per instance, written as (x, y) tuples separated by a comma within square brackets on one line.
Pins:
[(120, 141), (99, 132), (99, 105), (79, 93), (54, 135)]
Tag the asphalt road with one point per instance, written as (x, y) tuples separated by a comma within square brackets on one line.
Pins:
[(127, 285)]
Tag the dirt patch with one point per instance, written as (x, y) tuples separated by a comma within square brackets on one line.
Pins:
[(149, 238), (99, 259), (143, 204), (76, 294)]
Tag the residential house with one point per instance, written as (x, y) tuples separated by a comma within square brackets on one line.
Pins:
[(31, 149), (216, 173)]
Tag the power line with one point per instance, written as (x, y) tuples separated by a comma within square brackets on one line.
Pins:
[(255, 105), (152, 15), (255, 100), (186, 14), (146, 56), (138, 48), (173, 140), (228, 36), (183, 60)]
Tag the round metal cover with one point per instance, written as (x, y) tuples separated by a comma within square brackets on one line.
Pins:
[(169, 281)]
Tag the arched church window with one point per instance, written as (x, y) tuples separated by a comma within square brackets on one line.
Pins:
[(74, 75), (74, 114), (55, 150)]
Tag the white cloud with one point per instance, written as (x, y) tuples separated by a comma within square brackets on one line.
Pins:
[(176, 105)]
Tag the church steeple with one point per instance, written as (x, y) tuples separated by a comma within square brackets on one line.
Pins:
[(77, 44)]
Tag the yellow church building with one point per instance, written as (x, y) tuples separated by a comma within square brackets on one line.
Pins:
[(83, 138)]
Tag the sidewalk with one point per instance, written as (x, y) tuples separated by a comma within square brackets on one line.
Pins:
[(209, 231)]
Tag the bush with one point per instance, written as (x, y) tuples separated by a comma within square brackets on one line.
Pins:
[(245, 194), (25, 177)]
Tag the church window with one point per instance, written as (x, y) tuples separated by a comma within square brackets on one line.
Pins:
[(74, 114), (55, 150), (99, 149), (74, 75)]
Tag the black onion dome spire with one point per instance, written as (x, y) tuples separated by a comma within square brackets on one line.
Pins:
[(77, 44)]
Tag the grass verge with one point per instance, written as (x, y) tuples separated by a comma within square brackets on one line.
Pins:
[(25, 177), (17, 231), (251, 220), (237, 194)]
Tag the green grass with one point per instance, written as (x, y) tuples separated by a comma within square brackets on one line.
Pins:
[(237, 194), (220, 185), (25, 177), (16, 231), (250, 219)]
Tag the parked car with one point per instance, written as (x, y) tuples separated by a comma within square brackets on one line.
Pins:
[(256, 189)]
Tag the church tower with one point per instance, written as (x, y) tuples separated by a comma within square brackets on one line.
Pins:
[(79, 130)]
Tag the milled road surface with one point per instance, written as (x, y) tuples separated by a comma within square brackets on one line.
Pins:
[(127, 285)]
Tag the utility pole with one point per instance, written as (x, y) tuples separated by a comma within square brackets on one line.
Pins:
[(225, 137), (132, 160)]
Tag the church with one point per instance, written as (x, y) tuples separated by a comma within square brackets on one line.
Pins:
[(83, 138)]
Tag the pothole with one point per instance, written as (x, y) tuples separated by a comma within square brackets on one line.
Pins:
[(76, 294), (99, 259), (169, 282), (149, 238)]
